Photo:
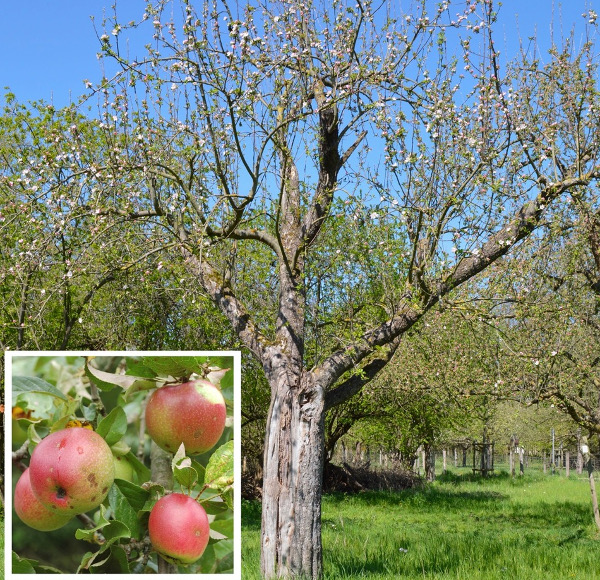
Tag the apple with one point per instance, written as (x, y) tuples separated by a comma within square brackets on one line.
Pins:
[(178, 528), (32, 511), (123, 469), (192, 413), (19, 431), (72, 470)]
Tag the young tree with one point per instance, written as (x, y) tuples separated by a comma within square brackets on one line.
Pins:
[(233, 137)]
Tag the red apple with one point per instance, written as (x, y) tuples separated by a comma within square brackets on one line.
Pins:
[(178, 528), (32, 511), (72, 470), (192, 413)]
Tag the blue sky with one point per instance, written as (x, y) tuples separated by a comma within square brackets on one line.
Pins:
[(49, 46)]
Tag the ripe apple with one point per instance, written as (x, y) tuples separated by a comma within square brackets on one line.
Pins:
[(192, 413), (72, 470), (32, 511), (178, 528)]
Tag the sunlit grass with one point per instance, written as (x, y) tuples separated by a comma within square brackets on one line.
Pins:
[(2, 543), (459, 527)]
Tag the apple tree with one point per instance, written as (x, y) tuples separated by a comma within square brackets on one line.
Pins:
[(94, 470)]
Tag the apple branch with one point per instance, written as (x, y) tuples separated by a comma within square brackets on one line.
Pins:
[(524, 221), (223, 296)]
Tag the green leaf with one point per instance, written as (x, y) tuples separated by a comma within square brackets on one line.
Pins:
[(86, 561), (155, 492), (217, 558), (223, 556), (113, 426), (140, 386), (90, 412), (120, 448), (115, 530), (176, 366), (126, 500), (136, 496), (43, 569), (227, 496), (22, 384), (22, 565), (142, 471), (223, 527), (140, 370), (107, 381), (45, 407), (214, 507), (200, 470), (179, 456), (119, 561), (183, 472), (90, 534), (187, 477), (219, 471)]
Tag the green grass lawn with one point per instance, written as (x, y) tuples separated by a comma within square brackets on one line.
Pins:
[(535, 527)]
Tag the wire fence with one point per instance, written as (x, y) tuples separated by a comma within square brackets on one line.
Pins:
[(567, 461)]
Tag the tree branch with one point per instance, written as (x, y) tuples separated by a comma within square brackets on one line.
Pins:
[(525, 220)]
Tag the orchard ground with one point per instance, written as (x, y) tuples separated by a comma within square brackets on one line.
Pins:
[(460, 527)]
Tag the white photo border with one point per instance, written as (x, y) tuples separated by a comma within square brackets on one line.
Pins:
[(8, 359)]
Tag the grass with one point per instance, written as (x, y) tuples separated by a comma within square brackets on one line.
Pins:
[(2, 543), (459, 527)]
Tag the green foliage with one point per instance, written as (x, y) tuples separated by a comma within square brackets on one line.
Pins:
[(117, 530)]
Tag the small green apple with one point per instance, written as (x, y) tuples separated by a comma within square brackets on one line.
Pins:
[(123, 469)]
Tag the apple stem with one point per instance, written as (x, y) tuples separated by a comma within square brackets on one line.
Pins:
[(86, 520), (142, 432), (96, 399), (20, 454)]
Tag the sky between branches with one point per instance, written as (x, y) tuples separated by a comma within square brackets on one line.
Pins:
[(49, 47)]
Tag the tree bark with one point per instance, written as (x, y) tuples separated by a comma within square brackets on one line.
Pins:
[(429, 463), (585, 451), (293, 481)]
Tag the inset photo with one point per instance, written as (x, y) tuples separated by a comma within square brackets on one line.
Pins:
[(122, 463)]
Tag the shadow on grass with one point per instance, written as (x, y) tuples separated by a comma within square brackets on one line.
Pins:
[(251, 514), (427, 499), (458, 478)]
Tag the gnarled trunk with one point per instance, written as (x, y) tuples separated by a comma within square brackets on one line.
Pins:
[(293, 472)]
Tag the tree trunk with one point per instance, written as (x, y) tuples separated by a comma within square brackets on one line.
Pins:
[(585, 452), (429, 463), (293, 481), (594, 496)]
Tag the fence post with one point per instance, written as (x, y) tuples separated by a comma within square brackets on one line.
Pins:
[(579, 454), (444, 460), (567, 463)]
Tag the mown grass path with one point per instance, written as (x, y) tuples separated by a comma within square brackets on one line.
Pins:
[(460, 527)]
